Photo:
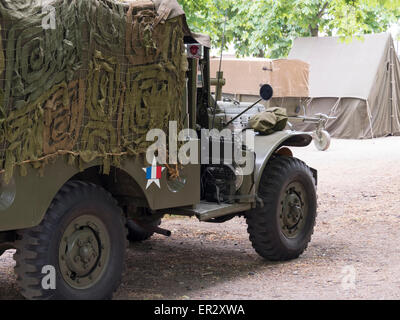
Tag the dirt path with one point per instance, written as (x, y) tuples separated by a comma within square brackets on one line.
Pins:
[(354, 254)]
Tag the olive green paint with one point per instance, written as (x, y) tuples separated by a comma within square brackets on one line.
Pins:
[(34, 193)]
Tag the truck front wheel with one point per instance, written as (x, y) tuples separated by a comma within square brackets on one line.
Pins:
[(282, 228), (81, 242)]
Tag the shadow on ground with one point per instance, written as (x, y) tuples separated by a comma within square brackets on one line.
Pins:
[(162, 269)]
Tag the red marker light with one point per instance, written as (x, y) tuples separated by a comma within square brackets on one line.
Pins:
[(194, 50)]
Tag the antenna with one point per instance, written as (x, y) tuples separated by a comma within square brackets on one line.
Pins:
[(220, 67)]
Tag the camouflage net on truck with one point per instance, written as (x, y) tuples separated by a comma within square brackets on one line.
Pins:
[(85, 79)]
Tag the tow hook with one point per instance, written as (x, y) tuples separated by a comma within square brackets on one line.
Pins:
[(158, 230), (151, 228)]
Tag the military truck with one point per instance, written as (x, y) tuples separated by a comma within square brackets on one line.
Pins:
[(78, 102)]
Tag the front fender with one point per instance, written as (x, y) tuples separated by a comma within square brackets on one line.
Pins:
[(265, 146)]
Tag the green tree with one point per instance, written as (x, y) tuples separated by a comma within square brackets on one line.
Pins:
[(266, 28)]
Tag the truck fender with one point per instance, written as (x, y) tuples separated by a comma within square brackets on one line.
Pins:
[(265, 146)]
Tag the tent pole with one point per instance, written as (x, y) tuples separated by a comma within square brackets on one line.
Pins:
[(333, 110), (391, 89), (370, 119)]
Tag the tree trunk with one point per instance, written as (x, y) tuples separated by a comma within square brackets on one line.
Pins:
[(314, 31), (260, 54)]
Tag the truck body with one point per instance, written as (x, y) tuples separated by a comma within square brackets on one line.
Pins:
[(79, 102)]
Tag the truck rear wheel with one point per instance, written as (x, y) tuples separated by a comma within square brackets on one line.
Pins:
[(83, 238), (282, 229)]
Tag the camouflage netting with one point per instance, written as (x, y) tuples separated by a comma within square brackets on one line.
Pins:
[(89, 84)]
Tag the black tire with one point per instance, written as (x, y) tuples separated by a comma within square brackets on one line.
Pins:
[(269, 233), (137, 234), (43, 245)]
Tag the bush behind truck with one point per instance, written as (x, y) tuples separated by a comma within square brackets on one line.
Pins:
[(82, 84)]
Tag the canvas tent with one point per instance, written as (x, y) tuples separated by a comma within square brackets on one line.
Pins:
[(289, 78), (358, 82)]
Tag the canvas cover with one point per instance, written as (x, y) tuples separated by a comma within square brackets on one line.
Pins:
[(288, 78), (269, 121), (87, 79), (357, 82)]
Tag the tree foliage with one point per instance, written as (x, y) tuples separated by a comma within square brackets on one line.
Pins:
[(267, 28)]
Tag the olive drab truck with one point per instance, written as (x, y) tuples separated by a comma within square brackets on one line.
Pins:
[(83, 83)]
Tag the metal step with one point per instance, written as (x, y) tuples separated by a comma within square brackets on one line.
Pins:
[(205, 211)]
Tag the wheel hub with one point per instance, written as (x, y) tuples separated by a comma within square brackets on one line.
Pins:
[(84, 251), (293, 210)]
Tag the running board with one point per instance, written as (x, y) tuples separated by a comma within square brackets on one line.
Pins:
[(206, 211)]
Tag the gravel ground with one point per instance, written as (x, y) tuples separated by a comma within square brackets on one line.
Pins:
[(354, 253)]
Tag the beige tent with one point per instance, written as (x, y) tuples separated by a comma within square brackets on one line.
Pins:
[(289, 78), (358, 82)]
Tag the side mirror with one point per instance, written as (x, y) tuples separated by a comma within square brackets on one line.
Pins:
[(266, 92)]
